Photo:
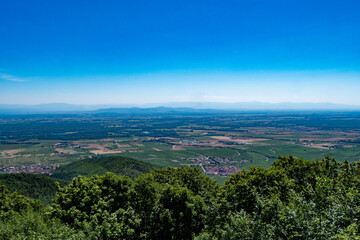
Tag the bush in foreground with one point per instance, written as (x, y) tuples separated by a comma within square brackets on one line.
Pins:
[(293, 199)]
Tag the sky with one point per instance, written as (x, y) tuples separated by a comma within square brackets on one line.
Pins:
[(133, 52)]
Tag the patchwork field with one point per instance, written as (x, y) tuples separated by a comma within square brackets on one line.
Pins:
[(212, 142)]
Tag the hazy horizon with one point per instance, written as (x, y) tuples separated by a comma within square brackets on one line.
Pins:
[(169, 107), (140, 52), (174, 102)]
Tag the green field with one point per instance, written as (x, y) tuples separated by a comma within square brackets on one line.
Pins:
[(239, 139)]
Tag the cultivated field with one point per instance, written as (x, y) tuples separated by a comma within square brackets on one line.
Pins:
[(212, 142)]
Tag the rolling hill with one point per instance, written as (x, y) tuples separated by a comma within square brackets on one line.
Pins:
[(119, 165), (36, 186)]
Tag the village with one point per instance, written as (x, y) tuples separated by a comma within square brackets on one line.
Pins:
[(211, 165), (32, 168)]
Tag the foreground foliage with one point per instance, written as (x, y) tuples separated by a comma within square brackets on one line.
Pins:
[(293, 199), (23, 218)]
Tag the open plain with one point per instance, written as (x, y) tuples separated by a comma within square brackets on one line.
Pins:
[(209, 141)]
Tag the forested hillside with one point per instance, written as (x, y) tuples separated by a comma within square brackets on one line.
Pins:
[(293, 199), (36, 186), (88, 167)]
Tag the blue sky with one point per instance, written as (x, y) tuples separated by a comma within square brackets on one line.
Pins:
[(114, 52)]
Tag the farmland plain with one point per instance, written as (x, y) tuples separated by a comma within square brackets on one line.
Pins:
[(220, 143)]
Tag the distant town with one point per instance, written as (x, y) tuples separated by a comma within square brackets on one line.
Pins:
[(32, 168), (211, 165)]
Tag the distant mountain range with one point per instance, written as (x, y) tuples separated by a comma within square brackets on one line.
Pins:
[(171, 107)]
